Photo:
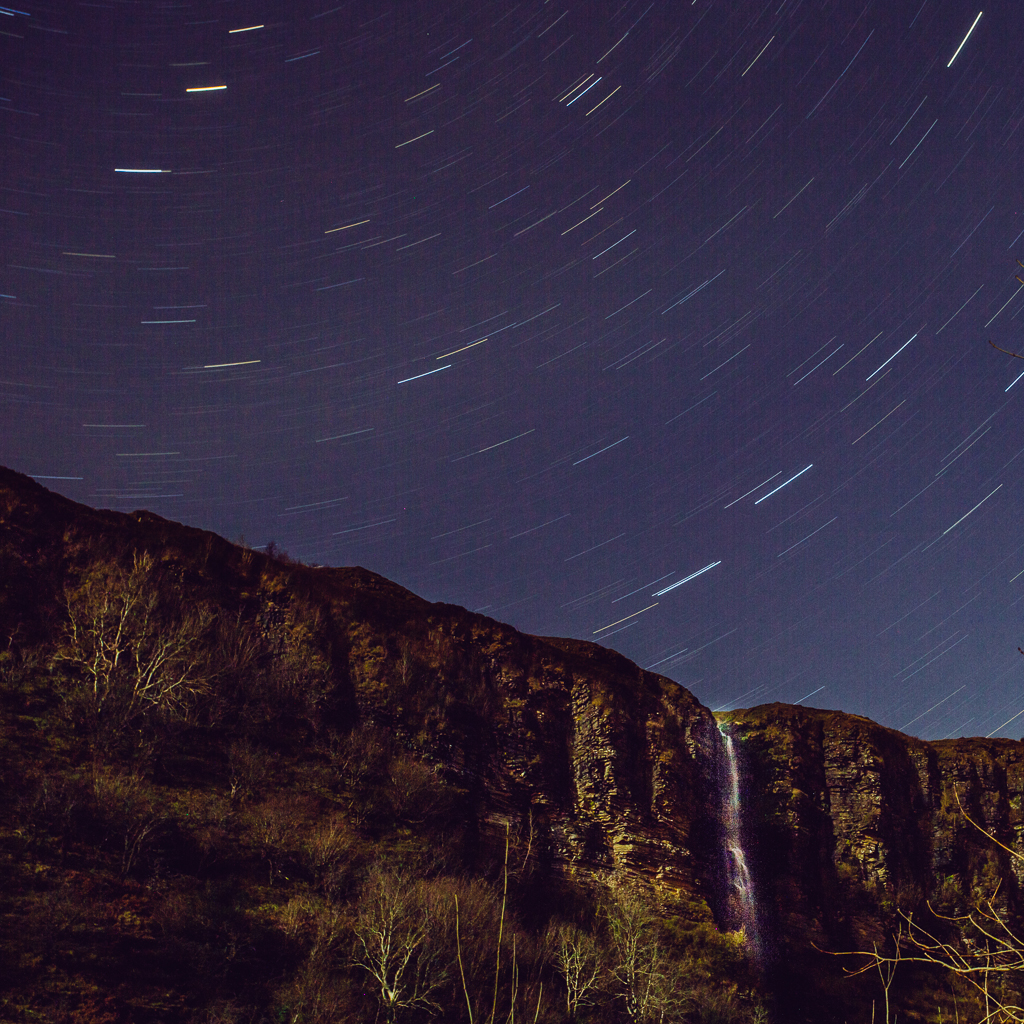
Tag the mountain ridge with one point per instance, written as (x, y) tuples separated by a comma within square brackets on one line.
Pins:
[(607, 777)]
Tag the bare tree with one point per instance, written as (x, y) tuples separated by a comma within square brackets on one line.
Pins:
[(886, 974), (248, 768), (127, 659), (396, 944), (642, 967), (984, 949), (126, 813), (312, 994), (576, 959), (325, 852)]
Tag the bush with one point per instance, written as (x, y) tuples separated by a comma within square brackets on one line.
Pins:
[(126, 815), (130, 662)]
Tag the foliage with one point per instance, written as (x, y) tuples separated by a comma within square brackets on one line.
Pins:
[(198, 824), (978, 948), (126, 662), (399, 943)]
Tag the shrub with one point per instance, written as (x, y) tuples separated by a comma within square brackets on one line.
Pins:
[(129, 660)]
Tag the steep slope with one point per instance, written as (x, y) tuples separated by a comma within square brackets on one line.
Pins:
[(602, 777), (851, 821), (340, 723), (614, 767)]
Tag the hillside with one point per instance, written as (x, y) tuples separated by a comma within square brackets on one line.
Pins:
[(228, 778)]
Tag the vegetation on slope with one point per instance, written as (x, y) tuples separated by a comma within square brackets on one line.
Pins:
[(225, 797)]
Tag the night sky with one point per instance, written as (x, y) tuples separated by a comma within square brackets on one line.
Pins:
[(663, 325)]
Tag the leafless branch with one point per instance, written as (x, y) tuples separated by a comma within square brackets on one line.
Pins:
[(127, 657), (396, 947), (1006, 351), (984, 945)]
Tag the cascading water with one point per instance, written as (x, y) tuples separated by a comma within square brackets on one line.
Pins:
[(742, 903)]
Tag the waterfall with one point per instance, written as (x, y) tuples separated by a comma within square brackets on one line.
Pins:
[(742, 902)]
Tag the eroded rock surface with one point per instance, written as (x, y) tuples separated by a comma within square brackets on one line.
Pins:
[(853, 820), (612, 774)]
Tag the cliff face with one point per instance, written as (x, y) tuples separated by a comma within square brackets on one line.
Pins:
[(604, 772), (850, 821)]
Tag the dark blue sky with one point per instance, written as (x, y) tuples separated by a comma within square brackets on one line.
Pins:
[(663, 325)]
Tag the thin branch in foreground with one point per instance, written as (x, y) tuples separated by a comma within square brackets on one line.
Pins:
[(1006, 351), (985, 832)]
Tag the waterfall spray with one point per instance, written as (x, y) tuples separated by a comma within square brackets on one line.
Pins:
[(742, 903)]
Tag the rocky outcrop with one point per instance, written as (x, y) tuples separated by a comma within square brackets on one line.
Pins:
[(607, 774), (850, 821), (611, 770)]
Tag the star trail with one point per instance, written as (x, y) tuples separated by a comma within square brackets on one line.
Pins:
[(551, 310)]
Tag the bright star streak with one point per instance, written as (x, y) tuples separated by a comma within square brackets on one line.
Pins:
[(964, 687), (578, 461), (752, 489), (1005, 304), (584, 93), (966, 514), (755, 60), (811, 694), (1014, 381), (346, 227), (617, 621), (1005, 724), (789, 481), (692, 575), (891, 358), (427, 374), (966, 37)]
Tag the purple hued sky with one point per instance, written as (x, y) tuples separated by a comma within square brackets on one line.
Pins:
[(662, 325)]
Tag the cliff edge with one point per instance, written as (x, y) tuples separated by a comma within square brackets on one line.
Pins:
[(607, 777)]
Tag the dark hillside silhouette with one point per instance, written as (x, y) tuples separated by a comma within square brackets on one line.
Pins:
[(238, 788)]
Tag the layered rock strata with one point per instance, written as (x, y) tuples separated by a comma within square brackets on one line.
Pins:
[(607, 773)]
